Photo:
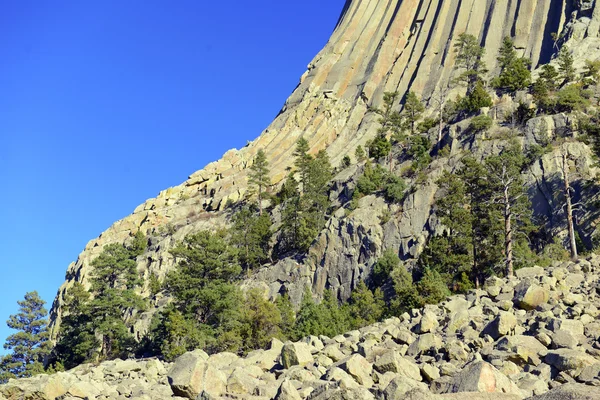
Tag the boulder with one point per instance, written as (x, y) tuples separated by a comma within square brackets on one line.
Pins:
[(394, 362), (529, 295), (428, 323), (191, 374), (398, 388), (359, 368), (424, 343), (568, 359), (295, 354), (287, 391), (480, 376), (571, 391), (500, 326)]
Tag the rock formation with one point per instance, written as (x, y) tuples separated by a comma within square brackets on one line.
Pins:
[(377, 46), (535, 336)]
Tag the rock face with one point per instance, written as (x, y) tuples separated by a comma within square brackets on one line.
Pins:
[(376, 362), (377, 46)]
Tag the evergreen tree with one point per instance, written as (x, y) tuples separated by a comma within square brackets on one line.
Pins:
[(406, 293), (251, 233), (77, 342), (261, 320), (413, 109), (206, 268), (591, 73), (514, 71), (288, 316), (303, 160), (365, 307), (259, 176), (29, 346), (565, 65), (469, 57), (359, 153), (384, 266), (477, 99), (304, 214), (508, 197), (390, 122), (113, 282)]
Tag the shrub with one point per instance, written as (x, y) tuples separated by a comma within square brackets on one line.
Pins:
[(395, 189), (346, 161), (432, 287), (480, 123)]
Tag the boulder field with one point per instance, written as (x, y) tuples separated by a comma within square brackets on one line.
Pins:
[(535, 335)]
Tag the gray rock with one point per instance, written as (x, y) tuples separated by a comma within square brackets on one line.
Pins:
[(394, 362), (287, 391), (529, 295), (567, 359), (191, 374), (481, 376), (571, 391), (502, 325), (295, 354)]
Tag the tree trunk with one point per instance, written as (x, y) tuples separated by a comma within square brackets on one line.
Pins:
[(508, 234), (567, 191), (260, 200)]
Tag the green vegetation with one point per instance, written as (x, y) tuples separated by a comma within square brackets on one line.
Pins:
[(258, 177), (29, 346), (514, 71), (94, 326)]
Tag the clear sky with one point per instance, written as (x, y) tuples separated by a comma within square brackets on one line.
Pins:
[(105, 103)]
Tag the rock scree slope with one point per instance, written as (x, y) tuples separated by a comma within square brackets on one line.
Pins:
[(500, 342)]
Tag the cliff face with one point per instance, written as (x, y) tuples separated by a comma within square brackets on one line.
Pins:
[(377, 46)]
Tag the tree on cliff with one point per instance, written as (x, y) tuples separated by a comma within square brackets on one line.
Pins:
[(77, 342), (304, 214), (469, 57), (102, 312), (251, 234), (413, 109), (514, 71), (113, 283), (29, 345), (259, 176)]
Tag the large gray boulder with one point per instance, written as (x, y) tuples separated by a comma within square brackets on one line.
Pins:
[(481, 376), (529, 295), (500, 326), (568, 359), (192, 374), (571, 391), (295, 354)]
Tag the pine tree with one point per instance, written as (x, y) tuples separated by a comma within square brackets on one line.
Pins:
[(303, 160), (565, 65), (413, 109), (514, 71), (469, 57), (508, 195), (113, 283), (288, 316), (259, 176), (261, 320), (206, 264), (251, 234), (77, 342), (365, 307), (29, 346)]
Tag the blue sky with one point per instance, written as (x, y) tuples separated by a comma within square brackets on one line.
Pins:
[(105, 103)]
